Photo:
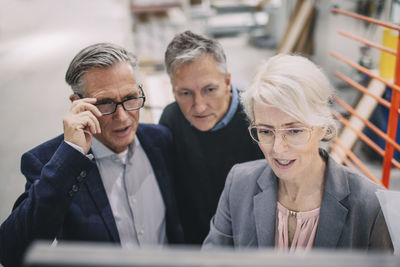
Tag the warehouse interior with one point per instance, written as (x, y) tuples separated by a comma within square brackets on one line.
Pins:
[(38, 38)]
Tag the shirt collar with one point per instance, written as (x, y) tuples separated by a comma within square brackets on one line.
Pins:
[(101, 151), (231, 111)]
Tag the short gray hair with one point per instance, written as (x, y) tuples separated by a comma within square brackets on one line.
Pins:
[(188, 46), (101, 55), (296, 86)]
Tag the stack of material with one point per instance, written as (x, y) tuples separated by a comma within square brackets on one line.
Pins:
[(154, 25), (158, 93), (298, 35)]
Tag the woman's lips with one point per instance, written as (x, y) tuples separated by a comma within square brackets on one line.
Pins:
[(284, 163)]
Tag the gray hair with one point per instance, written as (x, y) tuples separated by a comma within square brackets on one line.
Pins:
[(101, 55), (296, 86), (188, 46)]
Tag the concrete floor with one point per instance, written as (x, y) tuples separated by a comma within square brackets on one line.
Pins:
[(38, 38)]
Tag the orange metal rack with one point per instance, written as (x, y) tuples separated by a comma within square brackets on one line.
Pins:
[(390, 135)]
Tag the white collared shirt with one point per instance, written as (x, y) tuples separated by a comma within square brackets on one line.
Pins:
[(133, 193)]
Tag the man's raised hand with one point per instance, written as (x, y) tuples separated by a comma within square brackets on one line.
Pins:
[(81, 123)]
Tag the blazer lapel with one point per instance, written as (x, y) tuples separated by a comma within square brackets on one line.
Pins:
[(265, 208), (157, 163), (99, 196), (333, 213)]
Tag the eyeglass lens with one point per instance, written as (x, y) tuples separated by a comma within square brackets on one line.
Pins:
[(293, 136), (129, 104)]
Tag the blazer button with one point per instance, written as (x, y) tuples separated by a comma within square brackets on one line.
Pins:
[(75, 188), (83, 174), (79, 179)]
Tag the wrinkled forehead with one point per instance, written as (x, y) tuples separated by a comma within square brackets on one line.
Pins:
[(203, 61), (115, 80)]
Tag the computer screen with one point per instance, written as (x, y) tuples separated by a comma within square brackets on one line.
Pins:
[(92, 254)]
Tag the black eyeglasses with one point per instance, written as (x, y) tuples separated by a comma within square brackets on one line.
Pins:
[(132, 103)]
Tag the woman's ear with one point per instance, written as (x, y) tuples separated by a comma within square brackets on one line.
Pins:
[(324, 133)]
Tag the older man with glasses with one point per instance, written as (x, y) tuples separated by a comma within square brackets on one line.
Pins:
[(107, 178)]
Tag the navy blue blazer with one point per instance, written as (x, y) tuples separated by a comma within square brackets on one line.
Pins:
[(65, 198)]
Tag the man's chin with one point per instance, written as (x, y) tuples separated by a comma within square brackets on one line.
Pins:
[(117, 144), (204, 127), (121, 147)]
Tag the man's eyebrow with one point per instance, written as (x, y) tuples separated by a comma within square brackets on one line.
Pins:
[(108, 99), (215, 85), (183, 89), (136, 94), (102, 100)]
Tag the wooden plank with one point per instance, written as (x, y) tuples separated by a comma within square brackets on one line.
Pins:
[(305, 36), (153, 8), (158, 95), (259, 6), (291, 22), (296, 28)]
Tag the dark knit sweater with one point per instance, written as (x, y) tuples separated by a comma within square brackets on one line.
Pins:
[(203, 161)]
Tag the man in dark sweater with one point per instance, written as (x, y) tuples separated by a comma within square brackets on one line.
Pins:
[(208, 125)]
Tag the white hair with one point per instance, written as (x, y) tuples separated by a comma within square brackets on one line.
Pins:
[(296, 86)]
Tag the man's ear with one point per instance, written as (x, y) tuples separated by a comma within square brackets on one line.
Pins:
[(228, 79), (73, 97)]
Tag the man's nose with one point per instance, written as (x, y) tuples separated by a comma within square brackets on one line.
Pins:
[(199, 104), (120, 113)]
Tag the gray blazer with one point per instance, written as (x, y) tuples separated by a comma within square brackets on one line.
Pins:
[(350, 215)]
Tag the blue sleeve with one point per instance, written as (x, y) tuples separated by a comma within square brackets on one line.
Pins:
[(39, 212)]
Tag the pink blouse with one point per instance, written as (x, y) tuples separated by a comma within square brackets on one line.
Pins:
[(306, 228)]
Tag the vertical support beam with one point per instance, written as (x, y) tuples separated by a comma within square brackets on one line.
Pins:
[(392, 122)]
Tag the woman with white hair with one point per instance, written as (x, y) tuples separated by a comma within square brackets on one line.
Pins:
[(299, 197)]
